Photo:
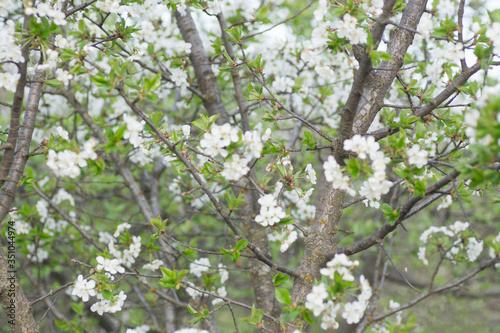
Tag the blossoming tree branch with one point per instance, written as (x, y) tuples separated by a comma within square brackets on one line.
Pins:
[(240, 166)]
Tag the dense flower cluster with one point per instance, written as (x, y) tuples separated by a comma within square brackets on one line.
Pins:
[(287, 236), (219, 137), (347, 28), (417, 156), (134, 129), (334, 175), (199, 266), (270, 212), (84, 288), (462, 246), (236, 168), (67, 163), (320, 301), (109, 306), (376, 185)]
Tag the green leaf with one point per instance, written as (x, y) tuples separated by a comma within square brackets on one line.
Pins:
[(354, 168), (235, 33), (54, 83), (236, 255), (242, 243), (192, 310), (386, 209), (224, 251), (280, 278), (107, 295), (308, 317), (77, 307), (283, 296)]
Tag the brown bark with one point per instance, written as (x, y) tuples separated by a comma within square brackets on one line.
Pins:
[(24, 320), (204, 75), (17, 104), (363, 103)]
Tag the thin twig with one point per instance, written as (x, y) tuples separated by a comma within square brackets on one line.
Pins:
[(401, 273)]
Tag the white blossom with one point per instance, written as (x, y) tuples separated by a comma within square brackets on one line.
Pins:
[(421, 255), (83, 288), (134, 129), (270, 212), (310, 174), (334, 175), (417, 156), (236, 168), (474, 249), (109, 265), (353, 312), (154, 265), (199, 266), (314, 300), (346, 28)]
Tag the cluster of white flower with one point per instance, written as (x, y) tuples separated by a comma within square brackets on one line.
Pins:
[(334, 175), (493, 253), (22, 227), (346, 28), (62, 133), (121, 228), (224, 275), (283, 84), (315, 299), (67, 163), (253, 143), (376, 185), (472, 115), (84, 288), (63, 76), (108, 6), (417, 156), (109, 265), (61, 42), (286, 237), (303, 211), (373, 6), (107, 306), (9, 81), (154, 265), (311, 174), (139, 329), (219, 137), (193, 293), (199, 266), (46, 10), (36, 253), (493, 33), (191, 330), (454, 52), (10, 50), (134, 129), (429, 142), (215, 7), (469, 247), (221, 292), (321, 11), (129, 255), (7, 6), (446, 202), (236, 168), (270, 212), (353, 311), (342, 265), (179, 77)]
